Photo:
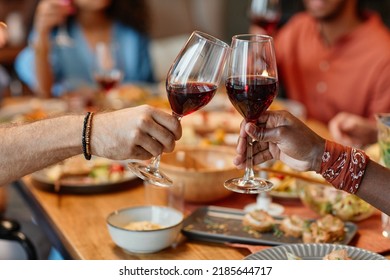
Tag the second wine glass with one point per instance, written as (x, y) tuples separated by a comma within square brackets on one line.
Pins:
[(107, 70), (252, 84), (265, 14), (191, 83)]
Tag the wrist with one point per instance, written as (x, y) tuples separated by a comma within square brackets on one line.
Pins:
[(319, 152)]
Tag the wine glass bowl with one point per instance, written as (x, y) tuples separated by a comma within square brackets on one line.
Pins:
[(191, 83), (251, 85), (265, 14), (107, 71)]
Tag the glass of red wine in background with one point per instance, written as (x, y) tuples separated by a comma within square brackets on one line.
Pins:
[(107, 71), (265, 14), (191, 83), (252, 84)]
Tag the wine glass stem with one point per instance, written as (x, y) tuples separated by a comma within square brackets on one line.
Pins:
[(249, 160), (155, 163)]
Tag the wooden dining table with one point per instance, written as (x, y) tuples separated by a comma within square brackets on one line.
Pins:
[(76, 224)]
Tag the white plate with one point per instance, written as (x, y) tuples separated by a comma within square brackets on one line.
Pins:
[(312, 252), (83, 184)]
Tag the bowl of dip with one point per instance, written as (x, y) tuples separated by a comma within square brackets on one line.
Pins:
[(144, 229)]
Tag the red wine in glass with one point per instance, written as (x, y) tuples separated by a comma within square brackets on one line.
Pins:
[(252, 95), (190, 97), (265, 14), (190, 84), (107, 82), (268, 24)]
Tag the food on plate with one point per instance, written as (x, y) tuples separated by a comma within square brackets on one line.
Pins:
[(351, 207), (292, 226), (340, 254), (77, 169), (142, 225), (325, 199), (327, 229), (293, 257), (283, 183), (259, 220)]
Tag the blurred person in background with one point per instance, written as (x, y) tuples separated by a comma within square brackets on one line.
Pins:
[(50, 69), (4, 76), (335, 59), (133, 133)]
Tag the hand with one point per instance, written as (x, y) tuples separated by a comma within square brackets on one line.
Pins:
[(352, 130), (3, 34), (281, 136), (134, 133), (51, 13)]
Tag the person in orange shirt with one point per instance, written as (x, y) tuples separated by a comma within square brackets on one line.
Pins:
[(335, 59)]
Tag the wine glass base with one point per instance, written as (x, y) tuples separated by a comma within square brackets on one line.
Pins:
[(150, 175), (251, 186)]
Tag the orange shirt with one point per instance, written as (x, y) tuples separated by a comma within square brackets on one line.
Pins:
[(351, 76)]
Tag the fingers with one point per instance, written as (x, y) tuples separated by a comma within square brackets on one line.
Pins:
[(134, 133), (51, 13), (260, 157), (3, 34), (341, 126), (156, 138), (168, 122), (260, 153)]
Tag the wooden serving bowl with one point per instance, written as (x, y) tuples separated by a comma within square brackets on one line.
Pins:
[(202, 170)]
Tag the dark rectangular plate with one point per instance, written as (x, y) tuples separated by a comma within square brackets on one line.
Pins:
[(222, 225)]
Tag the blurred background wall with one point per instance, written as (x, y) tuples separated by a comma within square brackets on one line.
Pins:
[(171, 23)]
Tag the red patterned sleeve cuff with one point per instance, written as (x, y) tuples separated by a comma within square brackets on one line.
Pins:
[(343, 166)]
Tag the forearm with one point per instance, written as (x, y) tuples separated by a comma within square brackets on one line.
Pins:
[(375, 188), (43, 68), (352, 171), (30, 147)]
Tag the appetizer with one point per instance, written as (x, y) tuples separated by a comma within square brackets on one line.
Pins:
[(292, 226), (259, 220), (328, 229)]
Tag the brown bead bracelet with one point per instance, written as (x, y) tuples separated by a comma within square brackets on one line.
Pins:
[(86, 137)]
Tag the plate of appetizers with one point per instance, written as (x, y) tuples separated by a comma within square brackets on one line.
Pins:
[(77, 175), (228, 225), (315, 251)]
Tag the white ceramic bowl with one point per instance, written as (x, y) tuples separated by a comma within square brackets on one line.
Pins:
[(145, 241)]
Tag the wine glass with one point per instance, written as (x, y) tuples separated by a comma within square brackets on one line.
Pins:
[(191, 83), (107, 70), (251, 85), (62, 38), (265, 14)]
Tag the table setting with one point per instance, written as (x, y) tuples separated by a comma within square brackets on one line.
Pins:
[(104, 210)]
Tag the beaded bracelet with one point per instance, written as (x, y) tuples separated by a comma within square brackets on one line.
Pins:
[(86, 137), (343, 166)]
